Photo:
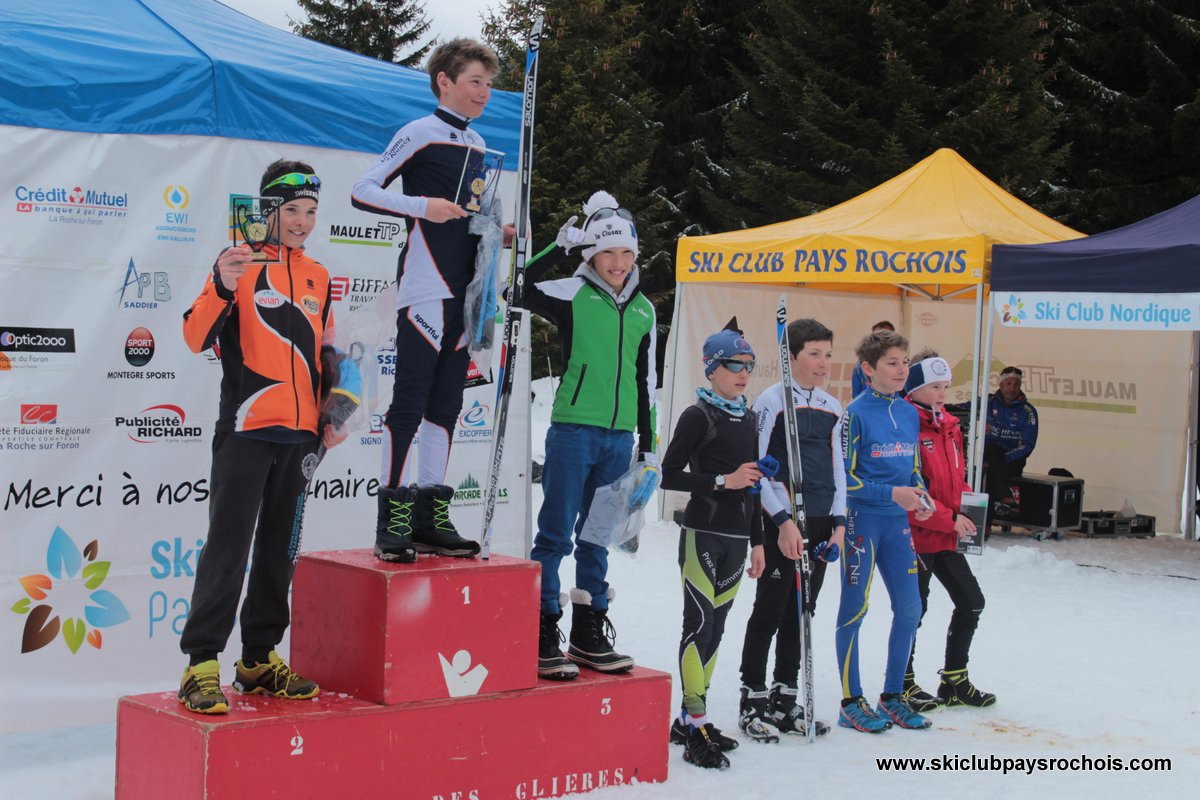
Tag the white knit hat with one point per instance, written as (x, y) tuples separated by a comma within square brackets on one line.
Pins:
[(607, 226)]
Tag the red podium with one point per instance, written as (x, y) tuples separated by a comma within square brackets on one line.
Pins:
[(429, 690), (554, 739), (398, 633)]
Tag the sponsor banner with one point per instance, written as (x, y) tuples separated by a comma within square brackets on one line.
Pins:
[(39, 427), (384, 233), (23, 347), (70, 206), (105, 434), (1098, 311)]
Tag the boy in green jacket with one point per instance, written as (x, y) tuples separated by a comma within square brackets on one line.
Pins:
[(606, 330)]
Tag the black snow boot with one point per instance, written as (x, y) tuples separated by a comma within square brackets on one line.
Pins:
[(552, 663), (434, 532), (593, 635), (393, 526)]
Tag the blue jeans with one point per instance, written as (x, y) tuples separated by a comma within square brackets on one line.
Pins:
[(579, 460)]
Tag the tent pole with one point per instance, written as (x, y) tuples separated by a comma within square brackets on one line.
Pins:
[(1190, 486), (976, 332), (671, 358), (979, 406)]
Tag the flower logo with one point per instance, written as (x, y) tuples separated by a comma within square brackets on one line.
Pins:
[(66, 566), (1013, 311)]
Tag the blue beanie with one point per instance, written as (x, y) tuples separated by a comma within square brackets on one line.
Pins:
[(725, 343)]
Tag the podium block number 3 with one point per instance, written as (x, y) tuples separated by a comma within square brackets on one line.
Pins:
[(605, 706)]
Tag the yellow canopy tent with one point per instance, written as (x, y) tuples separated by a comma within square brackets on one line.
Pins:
[(926, 233), (931, 226)]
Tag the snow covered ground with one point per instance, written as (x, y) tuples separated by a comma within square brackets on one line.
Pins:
[(1090, 645)]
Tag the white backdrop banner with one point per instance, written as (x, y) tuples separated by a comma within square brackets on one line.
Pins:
[(104, 242)]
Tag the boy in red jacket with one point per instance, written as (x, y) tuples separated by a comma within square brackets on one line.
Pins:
[(943, 466)]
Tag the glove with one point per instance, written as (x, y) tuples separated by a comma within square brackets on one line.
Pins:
[(647, 482), (827, 551), (769, 467), (569, 237)]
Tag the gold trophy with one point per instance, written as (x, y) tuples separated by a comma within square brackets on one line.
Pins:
[(251, 217)]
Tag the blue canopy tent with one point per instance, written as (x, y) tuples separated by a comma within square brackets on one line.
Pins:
[(197, 67), (1160, 254), (1142, 277)]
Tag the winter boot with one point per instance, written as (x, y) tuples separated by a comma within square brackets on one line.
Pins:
[(552, 663), (917, 698), (956, 689), (702, 751), (754, 714), (899, 712), (858, 715), (593, 636), (393, 526), (787, 715), (434, 532)]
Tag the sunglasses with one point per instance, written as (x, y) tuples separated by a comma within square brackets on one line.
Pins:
[(605, 213), (735, 366), (295, 179)]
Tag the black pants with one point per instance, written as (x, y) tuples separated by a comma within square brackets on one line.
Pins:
[(954, 572), (1000, 472), (258, 490), (431, 373), (776, 615)]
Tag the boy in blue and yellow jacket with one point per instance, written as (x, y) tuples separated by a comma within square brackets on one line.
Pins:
[(883, 482)]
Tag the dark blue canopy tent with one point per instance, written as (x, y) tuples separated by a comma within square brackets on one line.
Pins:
[(1144, 276), (1160, 254), (198, 67)]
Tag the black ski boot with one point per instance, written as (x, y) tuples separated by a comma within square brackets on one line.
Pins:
[(679, 734), (434, 532), (593, 635), (787, 715), (552, 663), (754, 714), (702, 751), (956, 689), (393, 526), (920, 700)]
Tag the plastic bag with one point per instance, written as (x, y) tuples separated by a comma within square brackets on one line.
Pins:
[(614, 518), (479, 309)]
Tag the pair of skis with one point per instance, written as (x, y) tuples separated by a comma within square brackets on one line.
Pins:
[(514, 311), (795, 479)]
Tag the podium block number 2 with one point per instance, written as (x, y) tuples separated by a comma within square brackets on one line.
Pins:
[(297, 744)]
